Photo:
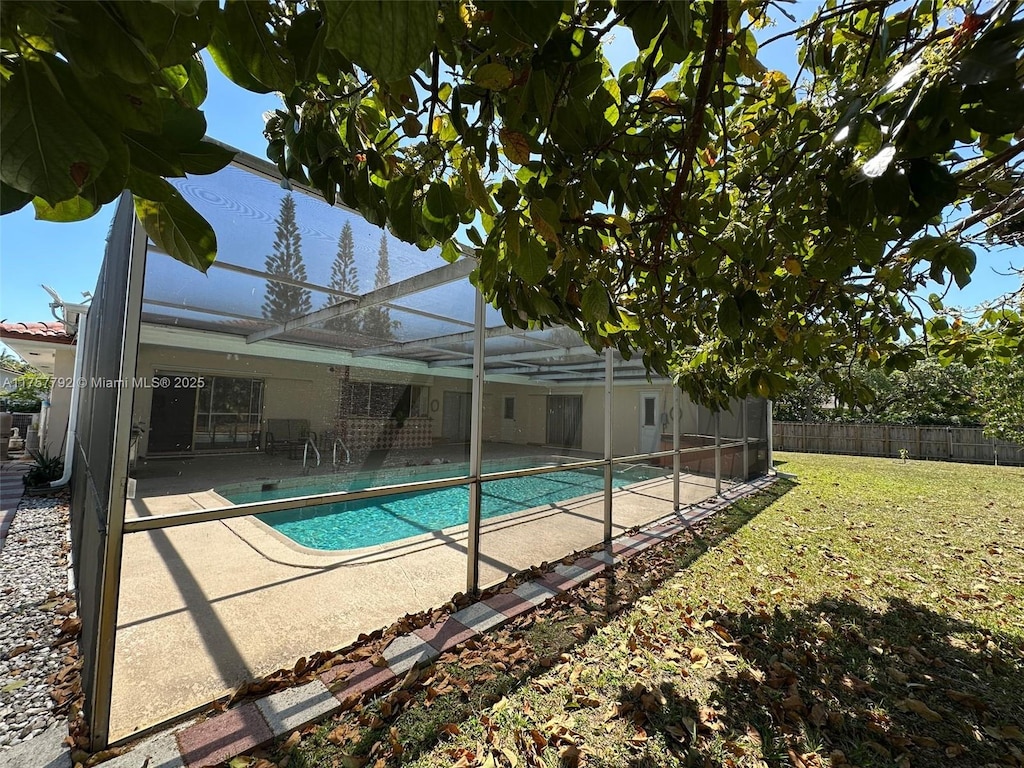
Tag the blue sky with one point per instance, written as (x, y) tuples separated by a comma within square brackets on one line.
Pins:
[(67, 256)]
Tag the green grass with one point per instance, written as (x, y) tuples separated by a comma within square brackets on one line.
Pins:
[(870, 613)]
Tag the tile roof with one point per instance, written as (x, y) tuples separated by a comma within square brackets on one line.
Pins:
[(52, 331)]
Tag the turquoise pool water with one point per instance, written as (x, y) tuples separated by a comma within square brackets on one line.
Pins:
[(355, 524)]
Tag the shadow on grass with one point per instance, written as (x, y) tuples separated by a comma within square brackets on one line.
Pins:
[(838, 681), (542, 636)]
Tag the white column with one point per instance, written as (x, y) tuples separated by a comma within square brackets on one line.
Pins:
[(609, 380), (476, 449), (677, 407)]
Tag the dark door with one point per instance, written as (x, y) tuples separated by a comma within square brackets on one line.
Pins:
[(565, 421), (174, 411), (458, 416)]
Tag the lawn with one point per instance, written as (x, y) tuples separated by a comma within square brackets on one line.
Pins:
[(869, 613)]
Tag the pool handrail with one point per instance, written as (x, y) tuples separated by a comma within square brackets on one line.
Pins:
[(334, 452), (305, 451)]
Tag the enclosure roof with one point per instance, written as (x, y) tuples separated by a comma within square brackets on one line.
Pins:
[(350, 286)]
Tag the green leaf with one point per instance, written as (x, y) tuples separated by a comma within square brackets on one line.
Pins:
[(75, 209), (12, 199), (153, 154), (440, 214), (226, 57), (594, 303), (149, 187), (172, 36), (387, 39), (182, 127), (960, 261), (254, 47), (529, 23), (729, 317), (450, 252), (47, 149), (493, 76), (205, 157), (402, 216), (110, 182), (193, 91), (546, 219), (475, 187), (95, 41), (130, 105), (181, 6), (531, 261), (178, 229), (305, 41)]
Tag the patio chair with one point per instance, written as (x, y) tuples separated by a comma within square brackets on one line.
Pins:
[(288, 434)]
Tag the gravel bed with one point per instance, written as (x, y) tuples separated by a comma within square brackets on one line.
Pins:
[(37, 618)]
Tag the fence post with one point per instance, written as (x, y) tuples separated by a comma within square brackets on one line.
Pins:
[(918, 430), (888, 441)]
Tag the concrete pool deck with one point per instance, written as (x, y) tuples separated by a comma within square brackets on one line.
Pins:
[(207, 607)]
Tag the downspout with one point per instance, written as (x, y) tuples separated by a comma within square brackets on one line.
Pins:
[(76, 392)]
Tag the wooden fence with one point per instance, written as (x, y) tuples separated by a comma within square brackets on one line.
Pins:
[(963, 444)]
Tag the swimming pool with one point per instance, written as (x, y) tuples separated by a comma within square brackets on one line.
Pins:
[(367, 522)]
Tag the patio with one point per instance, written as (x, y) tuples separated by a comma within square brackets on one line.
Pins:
[(199, 609)]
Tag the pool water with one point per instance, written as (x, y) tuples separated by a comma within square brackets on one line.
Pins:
[(364, 523)]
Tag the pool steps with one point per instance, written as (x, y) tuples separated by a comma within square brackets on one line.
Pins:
[(215, 739)]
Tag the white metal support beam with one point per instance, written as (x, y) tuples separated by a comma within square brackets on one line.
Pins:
[(527, 356), (451, 338), (435, 277), (746, 443), (677, 412), (609, 380), (226, 265), (718, 453), (476, 452), (113, 541)]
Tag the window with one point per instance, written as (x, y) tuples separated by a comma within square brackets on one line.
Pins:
[(650, 405), (228, 412), (510, 407), (383, 400)]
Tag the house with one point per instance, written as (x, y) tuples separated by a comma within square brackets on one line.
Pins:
[(49, 347)]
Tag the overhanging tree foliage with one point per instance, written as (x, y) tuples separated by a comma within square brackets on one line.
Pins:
[(725, 221)]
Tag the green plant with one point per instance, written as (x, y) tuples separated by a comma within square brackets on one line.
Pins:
[(47, 468), (720, 220), (29, 389)]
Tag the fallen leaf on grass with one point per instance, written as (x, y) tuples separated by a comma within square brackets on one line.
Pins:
[(1004, 732), (922, 709), (569, 756), (967, 700), (343, 734)]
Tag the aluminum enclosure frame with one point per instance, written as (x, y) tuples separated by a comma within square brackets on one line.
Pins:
[(97, 678)]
